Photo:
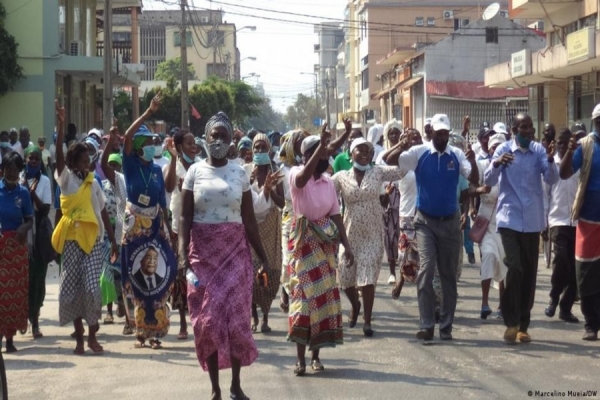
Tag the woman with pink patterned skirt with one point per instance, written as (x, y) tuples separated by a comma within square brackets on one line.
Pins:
[(216, 224)]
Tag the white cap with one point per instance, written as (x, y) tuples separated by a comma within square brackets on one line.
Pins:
[(440, 122), (500, 128), (498, 138), (596, 112), (358, 141), (427, 121), (309, 142), (96, 132)]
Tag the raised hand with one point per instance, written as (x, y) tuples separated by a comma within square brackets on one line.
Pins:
[(170, 144), (325, 135), (60, 112), (551, 149), (155, 103), (504, 159), (470, 154), (348, 124)]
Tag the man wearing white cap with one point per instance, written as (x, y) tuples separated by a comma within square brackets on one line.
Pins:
[(428, 131), (586, 160), (437, 167), (518, 166), (499, 127)]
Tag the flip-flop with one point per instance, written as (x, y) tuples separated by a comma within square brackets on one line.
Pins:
[(96, 348), (182, 336), (316, 365), (109, 320), (155, 344), (486, 311), (300, 369), (265, 328), (37, 334), (79, 350), (139, 344)]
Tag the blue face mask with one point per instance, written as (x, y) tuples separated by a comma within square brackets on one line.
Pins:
[(148, 153), (261, 159), (31, 172), (361, 167), (523, 142), (187, 159)]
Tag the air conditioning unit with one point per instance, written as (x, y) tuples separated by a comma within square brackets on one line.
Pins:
[(448, 14), (503, 13), (204, 20), (76, 48)]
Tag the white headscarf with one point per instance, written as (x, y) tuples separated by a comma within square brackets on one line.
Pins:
[(394, 123), (375, 133)]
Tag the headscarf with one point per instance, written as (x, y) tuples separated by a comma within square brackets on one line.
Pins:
[(287, 153), (273, 136), (245, 143), (394, 123), (140, 137), (309, 142), (264, 138), (32, 149), (375, 133), (115, 157), (217, 120)]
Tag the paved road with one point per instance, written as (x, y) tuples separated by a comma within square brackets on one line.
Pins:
[(391, 365)]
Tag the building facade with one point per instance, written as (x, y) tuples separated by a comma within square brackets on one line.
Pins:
[(57, 50), (562, 78), (378, 29)]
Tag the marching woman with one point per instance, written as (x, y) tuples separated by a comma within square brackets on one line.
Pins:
[(315, 316), (147, 258), (183, 152), (16, 219), (79, 238), (216, 225), (41, 240), (360, 189), (268, 200)]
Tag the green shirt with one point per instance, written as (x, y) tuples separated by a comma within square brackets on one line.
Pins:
[(342, 162)]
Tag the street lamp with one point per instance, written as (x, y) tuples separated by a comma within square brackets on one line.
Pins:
[(316, 88), (248, 58), (252, 75)]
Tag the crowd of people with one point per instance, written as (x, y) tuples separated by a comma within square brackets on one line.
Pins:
[(217, 227)]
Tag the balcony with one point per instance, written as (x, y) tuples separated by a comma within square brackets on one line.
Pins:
[(121, 51), (534, 9)]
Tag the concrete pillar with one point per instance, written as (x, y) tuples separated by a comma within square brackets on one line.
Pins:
[(135, 59), (557, 103)]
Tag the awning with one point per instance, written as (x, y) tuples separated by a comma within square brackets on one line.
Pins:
[(398, 56), (471, 90), (400, 86)]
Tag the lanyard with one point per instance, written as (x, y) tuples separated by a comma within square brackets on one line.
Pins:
[(146, 181)]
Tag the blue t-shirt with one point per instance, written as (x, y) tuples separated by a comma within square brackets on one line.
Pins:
[(437, 183), (590, 210), (15, 205), (143, 179)]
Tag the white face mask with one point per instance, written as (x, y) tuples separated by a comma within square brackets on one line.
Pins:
[(158, 150)]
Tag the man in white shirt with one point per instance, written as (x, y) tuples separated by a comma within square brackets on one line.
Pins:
[(562, 228), (23, 143)]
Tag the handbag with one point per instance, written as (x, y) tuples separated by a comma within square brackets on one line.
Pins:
[(480, 226)]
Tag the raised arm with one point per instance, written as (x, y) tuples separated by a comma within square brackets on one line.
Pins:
[(154, 106), (549, 168), (566, 164), (60, 137), (109, 173), (302, 178), (339, 142), (171, 169)]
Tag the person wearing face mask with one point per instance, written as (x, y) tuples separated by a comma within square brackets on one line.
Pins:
[(16, 220), (275, 141), (182, 148), (79, 237), (159, 157), (315, 314), (146, 224), (216, 229), (269, 200), (41, 238), (360, 189), (245, 150), (585, 159), (437, 167), (518, 165), (343, 161)]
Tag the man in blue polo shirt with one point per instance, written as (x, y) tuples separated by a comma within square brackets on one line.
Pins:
[(437, 167)]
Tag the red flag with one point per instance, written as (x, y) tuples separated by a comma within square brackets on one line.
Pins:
[(195, 112)]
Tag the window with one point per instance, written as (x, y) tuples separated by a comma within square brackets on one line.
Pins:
[(419, 21), (216, 38), (364, 62), (364, 78), (460, 23), (121, 36), (430, 21), (220, 70), (491, 35), (177, 39)]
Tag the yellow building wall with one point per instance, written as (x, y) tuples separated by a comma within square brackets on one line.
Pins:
[(23, 108), (25, 22)]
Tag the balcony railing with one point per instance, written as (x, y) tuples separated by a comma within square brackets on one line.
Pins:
[(121, 50)]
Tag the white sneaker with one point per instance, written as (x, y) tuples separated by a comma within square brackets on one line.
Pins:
[(391, 280)]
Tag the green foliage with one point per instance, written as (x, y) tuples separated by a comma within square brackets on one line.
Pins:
[(302, 113), (267, 119), (122, 109), (10, 71), (247, 102), (171, 69)]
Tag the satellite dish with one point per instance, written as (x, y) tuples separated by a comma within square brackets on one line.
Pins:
[(491, 11)]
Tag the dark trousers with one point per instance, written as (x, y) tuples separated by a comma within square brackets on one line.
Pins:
[(522, 262), (590, 307), (563, 279)]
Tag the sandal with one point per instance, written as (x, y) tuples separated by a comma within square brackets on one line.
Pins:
[(239, 396), (265, 328), (367, 330), (36, 333), (316, 365), (397, 289), (109, 320), (127, 330), (155, 344), (354, 316), (139, 344), (284, 307), (254, 327), (79, 349), (96, 348), (300, 369), (182, 336)]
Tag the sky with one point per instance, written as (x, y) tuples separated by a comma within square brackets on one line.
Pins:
[(283, 49)]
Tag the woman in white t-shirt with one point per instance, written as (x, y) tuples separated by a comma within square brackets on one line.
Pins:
[(216, 225), (183, 152), (79, 238)]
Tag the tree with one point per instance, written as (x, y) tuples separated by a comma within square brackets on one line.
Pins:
[(247, 102), (302, 113), (267, 119), (170, 69), (10, 71), (122, 109)]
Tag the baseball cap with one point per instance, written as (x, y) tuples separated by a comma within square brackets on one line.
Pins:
[(485, 131), (578, 127), (357, 142), (309, 142), (115, 157), (596, 112), (498, 138), (499, 127), (440, 122)]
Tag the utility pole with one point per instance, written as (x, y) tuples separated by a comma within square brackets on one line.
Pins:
[(328, 115), (317, 94), (107, 104), (185, 107)]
